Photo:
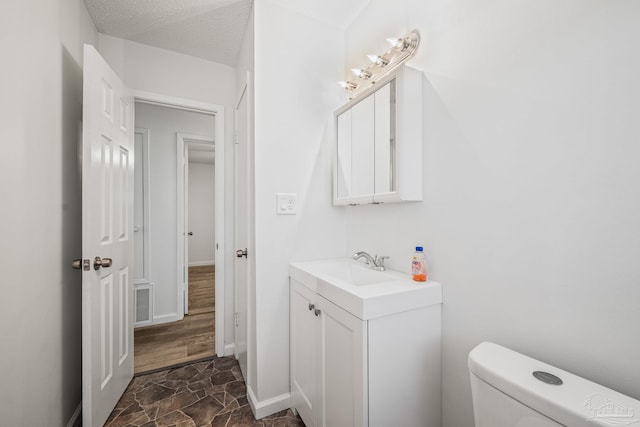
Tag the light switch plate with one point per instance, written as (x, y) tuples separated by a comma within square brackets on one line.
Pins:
[(286, 204)]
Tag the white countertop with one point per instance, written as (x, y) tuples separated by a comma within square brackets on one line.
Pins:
[(363, 292)]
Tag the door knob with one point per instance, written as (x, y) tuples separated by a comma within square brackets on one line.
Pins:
[(317, 312), (241, 253), (101, 262), (81, 264), (311, 306), (190, 233)]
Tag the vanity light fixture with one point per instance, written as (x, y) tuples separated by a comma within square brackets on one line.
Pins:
[(401, 50)]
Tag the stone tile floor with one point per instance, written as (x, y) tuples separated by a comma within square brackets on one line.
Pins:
[(206, 394)]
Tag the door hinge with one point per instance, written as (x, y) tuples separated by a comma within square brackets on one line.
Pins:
[(235, 137), (235, 319)]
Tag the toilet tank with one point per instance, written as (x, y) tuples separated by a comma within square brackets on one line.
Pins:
[(507, 394)]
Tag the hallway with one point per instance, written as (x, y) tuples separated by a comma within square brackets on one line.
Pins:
[(188, 340)]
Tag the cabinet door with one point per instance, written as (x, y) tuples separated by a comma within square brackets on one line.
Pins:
[(362, 147), (378, 154), (304, 339), (343, 367), (384, 151), (343, 156)]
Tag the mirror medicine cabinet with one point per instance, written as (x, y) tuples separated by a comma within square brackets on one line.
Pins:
[(378, 144)]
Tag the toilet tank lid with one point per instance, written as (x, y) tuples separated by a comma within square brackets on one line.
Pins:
[(577, 401)]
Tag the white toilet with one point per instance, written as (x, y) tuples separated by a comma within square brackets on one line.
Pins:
[(513, 390)]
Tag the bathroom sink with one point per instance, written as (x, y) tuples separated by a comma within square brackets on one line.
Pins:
[(364, 292), (354, 273)]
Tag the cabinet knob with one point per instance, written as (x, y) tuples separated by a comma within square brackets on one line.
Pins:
[(311, 306), (317, 312)]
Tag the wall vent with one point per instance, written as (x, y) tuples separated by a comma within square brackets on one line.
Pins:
[(143, 297)]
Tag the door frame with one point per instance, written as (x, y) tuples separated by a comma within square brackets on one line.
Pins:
[(182, 161), (218, 113)]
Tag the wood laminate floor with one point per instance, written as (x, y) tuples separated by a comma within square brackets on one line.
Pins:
[(190, 339)]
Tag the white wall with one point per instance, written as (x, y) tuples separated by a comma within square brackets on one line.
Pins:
[(201, 213), (531, 172), (152, 69), (155, 70), (163, 124), (41, 110), (297, 63)]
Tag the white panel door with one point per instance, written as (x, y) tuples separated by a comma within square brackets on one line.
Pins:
[(186, 233), (242, 206), (139, 195), (107, 232)]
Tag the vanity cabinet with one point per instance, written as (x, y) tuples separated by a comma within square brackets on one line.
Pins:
[(378, 143), (377, 370), (328, 361)]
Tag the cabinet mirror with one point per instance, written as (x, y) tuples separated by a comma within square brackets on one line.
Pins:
[(366, 146), (378, 143)]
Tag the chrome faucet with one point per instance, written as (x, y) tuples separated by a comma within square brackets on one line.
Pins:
[(375, 262)]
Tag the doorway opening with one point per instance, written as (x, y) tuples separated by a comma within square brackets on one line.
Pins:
[(178, 233)]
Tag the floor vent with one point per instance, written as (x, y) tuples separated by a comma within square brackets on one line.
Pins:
[(144, 304)]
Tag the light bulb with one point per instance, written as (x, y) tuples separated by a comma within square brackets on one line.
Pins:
[(363, 74), (400, 44), (394, 42), (378, 60), (348, 85)]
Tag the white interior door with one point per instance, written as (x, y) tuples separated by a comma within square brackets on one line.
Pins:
[(187, 232), (107, 232), (184, 145), (241, 231)]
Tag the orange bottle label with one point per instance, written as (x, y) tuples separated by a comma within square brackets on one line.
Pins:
[(418, 270)]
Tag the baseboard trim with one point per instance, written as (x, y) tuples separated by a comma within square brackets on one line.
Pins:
[(229, 349), (75, 419), (201, 263), (166, 318), (269, 406)]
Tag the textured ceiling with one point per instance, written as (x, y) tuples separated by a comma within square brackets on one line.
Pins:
[(209, 29)]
